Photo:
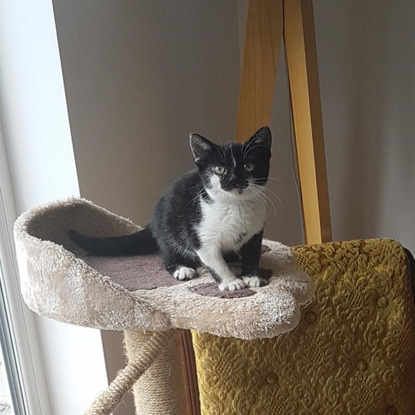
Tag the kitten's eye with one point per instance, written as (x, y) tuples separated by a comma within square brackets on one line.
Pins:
[(220, 170), (248, 166)]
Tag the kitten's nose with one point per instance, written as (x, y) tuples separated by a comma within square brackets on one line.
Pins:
[(238, 185), (234, 181)]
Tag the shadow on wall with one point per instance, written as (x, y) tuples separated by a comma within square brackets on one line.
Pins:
[(139, 77)]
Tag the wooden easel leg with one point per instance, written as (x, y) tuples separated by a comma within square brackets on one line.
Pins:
[(300, 46), (267, 21), (259, 68)]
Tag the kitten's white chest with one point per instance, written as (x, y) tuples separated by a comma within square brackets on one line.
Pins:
[(230, 224)]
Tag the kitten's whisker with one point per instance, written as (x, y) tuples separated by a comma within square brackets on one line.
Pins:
[(262, 189), (257, 194), (276, 187), (269, 182), (264, 198), (268, 178), (247, 147), (219, 149), (271, 191), (275, 195), (196, 197), (273, 186), (225, 149), (195, 186), (222, 149), (251, 148), (270, 200)]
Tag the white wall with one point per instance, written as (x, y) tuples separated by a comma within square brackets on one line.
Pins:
[(366, 63), (38, 143), (139, 77)]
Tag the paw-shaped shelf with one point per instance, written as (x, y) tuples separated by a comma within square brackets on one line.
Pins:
[(136, 293)]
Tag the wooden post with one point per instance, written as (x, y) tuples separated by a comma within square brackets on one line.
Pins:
[(267, 21), (259, 68), (300, 46)]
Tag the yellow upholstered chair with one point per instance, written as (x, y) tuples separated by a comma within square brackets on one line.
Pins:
[(352, 353)]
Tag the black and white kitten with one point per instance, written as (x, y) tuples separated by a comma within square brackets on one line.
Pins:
[(207, 215)]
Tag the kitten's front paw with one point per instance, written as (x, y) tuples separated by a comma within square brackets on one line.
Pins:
[(254, 281), (184, 273), (233, 285)]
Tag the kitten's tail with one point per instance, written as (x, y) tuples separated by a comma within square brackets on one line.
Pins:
[(139, 243)]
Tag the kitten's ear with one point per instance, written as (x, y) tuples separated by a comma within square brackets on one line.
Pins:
[(200, 146), (262, 137)]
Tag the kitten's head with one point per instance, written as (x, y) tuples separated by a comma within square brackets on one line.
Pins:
[(233, 170)]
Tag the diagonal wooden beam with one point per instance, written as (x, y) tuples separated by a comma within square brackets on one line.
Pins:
[(259, 68), (301, 54)]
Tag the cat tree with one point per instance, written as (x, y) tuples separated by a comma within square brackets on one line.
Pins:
[(137, 296), (59, 283)]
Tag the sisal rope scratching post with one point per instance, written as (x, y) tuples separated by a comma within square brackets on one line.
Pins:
[(153, 369), (160, 390), (136, 295)]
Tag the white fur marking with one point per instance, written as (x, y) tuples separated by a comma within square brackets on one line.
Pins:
[(235, 285), (229, 221), (233, 159), (230, 215), (184, 273), (252, 282)]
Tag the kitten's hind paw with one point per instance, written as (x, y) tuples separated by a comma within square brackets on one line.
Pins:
[(184, 273), (254, 281), (233, 285)]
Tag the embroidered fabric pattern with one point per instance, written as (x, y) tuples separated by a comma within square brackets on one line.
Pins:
[(353, 351)]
